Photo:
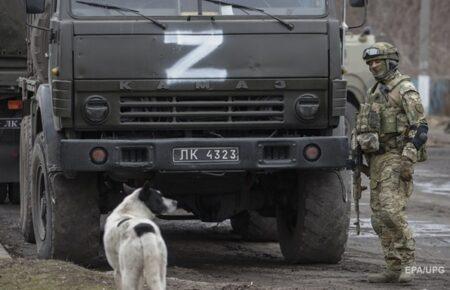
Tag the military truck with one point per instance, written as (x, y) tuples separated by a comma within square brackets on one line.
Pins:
[(233, 108), (12, 66), (357, 74)]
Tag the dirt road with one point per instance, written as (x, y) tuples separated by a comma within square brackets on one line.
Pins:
[(209, 256)]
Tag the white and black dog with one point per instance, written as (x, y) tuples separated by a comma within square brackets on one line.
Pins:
[(133, 243)]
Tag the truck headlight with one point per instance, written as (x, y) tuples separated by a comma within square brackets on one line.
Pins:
[(312, 152), (95, 109), (307, 106)]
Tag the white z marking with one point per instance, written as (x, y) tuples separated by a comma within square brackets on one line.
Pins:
[(206, 44)]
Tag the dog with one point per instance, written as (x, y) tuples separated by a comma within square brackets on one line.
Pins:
[(133, 243)]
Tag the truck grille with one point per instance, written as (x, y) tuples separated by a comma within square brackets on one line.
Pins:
[(202, 109)]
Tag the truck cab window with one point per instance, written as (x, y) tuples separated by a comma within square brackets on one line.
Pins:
[(190, 7)]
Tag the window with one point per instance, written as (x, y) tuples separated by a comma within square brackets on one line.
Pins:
[(190, 7)]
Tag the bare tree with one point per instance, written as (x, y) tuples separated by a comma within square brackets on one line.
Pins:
[(397, 21)]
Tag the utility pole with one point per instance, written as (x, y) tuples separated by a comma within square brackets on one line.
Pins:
[(424, 45)]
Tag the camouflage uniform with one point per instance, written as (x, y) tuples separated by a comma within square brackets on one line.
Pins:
[(386, 126)]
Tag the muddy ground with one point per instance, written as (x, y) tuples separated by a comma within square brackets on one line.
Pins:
[(210, 256)]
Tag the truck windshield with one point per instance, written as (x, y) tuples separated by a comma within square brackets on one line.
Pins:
[(191, 7)]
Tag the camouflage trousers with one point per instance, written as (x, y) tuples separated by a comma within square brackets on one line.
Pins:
[(388, 198)]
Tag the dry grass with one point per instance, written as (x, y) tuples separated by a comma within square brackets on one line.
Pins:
[(50, 274)]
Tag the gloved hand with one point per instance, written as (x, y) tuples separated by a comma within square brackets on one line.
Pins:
[(406, 169)]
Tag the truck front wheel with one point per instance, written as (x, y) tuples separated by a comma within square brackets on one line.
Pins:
[(26, 149), (313, 225), (66, 216)]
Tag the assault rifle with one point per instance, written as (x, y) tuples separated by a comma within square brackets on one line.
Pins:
[(357, 167)]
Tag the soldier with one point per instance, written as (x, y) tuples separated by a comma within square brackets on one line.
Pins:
[(391, 130)]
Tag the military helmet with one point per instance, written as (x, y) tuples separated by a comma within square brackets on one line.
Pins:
[(381, 50)]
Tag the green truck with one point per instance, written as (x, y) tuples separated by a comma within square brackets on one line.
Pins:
[(357, 74), (234, 108), (13, 64)]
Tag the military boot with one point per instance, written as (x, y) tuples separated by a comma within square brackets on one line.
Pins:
[(387, 276), (405, 276)]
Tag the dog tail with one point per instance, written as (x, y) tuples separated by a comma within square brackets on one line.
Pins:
[(155, 255)]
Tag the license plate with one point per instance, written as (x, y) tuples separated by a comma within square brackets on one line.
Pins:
[(10, 123), (210, 154)]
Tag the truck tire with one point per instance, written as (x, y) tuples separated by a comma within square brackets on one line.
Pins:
[(253, 227), (14, 193), (315, 228), (3, 192), (26, 149), (66, 216)]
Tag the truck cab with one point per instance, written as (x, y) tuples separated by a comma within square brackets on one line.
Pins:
[(233, 108)]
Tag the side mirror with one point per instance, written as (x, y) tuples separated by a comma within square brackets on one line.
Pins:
[(35, 6), (358, 3)]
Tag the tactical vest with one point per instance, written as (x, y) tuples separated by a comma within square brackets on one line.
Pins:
[(384, 115)]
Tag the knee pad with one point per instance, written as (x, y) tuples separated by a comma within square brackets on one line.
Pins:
[(376, 224), (390, 220)]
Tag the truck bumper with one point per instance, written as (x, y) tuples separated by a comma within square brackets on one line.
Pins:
[(254, 154)]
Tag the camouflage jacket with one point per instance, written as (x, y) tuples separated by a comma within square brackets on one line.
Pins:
[(395, 111)]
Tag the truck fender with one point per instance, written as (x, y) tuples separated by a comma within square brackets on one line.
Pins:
[(355, 96), (356, 89), (51, 136)]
